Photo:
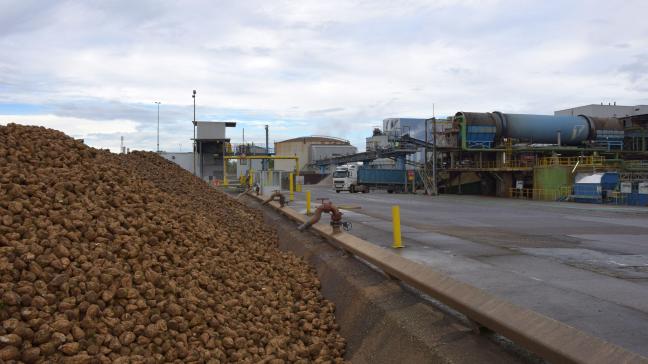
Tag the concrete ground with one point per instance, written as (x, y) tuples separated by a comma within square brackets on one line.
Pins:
[(585, 265)]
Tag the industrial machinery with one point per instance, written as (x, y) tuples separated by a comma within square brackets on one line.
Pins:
[(499, 154), (488, 130)]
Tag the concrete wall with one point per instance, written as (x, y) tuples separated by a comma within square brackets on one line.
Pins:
[(319, 151), (210, 130), (300, 147), (293, 148), (184, 159)]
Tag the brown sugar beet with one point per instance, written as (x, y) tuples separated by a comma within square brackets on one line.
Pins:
[(130, 259)]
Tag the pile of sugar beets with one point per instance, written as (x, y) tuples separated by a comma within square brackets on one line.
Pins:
[(109, 258)]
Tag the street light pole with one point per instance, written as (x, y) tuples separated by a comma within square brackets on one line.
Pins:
[(158, 127), (425, 159), (435, 191), (194, 127)]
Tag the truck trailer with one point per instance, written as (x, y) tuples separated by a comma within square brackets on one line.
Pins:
[(355, 178)]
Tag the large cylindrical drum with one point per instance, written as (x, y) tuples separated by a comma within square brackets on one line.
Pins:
[(546, 129)]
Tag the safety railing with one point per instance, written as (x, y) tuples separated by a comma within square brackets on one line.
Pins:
[(495, 164), (636, 165), (571, 161), (541, 194)]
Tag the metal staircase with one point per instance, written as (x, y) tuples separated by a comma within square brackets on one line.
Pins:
[(427, 178)]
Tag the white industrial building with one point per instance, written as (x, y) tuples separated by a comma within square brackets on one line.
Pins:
[(605, 111), (309, 149)]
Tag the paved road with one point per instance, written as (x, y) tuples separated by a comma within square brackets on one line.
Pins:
[(585, 265)]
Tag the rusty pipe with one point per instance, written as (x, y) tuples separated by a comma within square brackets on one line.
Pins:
[(325, 207), (276, 195)]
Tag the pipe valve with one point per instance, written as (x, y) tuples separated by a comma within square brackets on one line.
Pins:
[(326, 207)]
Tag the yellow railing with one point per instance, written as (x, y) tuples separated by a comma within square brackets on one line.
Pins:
[(540, 193), (571, 161), (498, 164)]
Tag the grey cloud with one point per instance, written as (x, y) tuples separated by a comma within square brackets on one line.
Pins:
[(638, 70), (320, 72)]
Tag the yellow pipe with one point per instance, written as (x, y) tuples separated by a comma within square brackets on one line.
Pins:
[(398, 242), (292, 186), (308, 203), (225, 183)]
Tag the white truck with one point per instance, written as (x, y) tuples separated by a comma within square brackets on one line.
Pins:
[(345, 178)]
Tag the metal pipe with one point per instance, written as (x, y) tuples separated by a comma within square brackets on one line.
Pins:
[(267, 163), (279, 196), (158, 125), (194, 127), (325, 207), (425, 160), (435, 191)]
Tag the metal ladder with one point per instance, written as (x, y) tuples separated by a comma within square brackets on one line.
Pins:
[(426, 177)]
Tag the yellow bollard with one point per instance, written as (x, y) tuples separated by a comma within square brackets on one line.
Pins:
[(398, 242), (298, 186), (292, 187), (308, 206)]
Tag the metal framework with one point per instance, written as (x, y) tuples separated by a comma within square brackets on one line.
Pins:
[(239, 157)]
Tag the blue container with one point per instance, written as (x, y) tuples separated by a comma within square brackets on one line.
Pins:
[(636, 199), (595, 189), (543, 129), (379, 176)]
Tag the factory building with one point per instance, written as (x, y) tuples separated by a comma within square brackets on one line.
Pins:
[(309, 149), (210, 147), (604, 111), (521, 155)]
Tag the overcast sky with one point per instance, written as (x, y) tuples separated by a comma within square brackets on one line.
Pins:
[(94, 68)]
